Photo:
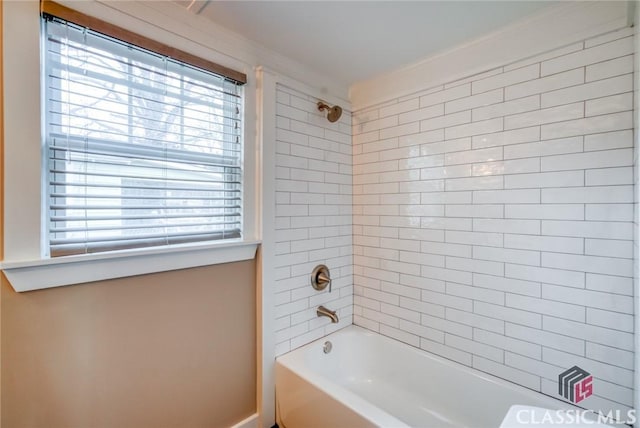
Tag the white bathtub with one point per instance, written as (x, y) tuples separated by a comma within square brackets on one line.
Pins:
[(370, 380)]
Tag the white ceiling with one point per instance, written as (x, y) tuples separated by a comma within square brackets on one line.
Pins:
[(352, 41)]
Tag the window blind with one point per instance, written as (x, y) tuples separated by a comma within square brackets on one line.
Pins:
[(141, 150)]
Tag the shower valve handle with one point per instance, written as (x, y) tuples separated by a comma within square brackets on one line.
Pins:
[(320, 278), (323, 279)]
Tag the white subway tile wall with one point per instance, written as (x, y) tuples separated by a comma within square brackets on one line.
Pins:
[(493, 224), (313, 218)]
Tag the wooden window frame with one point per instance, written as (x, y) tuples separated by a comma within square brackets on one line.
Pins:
[(100, 26)]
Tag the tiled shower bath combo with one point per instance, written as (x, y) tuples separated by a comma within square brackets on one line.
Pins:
[(320, 214), (493, 219)]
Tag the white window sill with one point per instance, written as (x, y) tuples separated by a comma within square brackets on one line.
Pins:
[(57, 272)]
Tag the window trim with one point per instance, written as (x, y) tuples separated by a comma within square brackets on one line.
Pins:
[(24, 266), (86, 268)]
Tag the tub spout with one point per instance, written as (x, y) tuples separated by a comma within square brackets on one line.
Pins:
[(324, 312)]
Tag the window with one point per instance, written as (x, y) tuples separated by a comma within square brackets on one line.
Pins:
[(141, 149)]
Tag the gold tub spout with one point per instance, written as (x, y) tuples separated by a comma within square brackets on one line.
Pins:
[(324, 312)]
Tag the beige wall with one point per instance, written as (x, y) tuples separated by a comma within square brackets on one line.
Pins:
[(174, 349)]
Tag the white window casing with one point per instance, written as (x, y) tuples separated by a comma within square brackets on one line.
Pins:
[(124, 187)]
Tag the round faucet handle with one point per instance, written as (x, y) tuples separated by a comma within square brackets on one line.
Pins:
[(320, 278)]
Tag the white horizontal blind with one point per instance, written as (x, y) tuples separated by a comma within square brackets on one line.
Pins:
[(141, 150)]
